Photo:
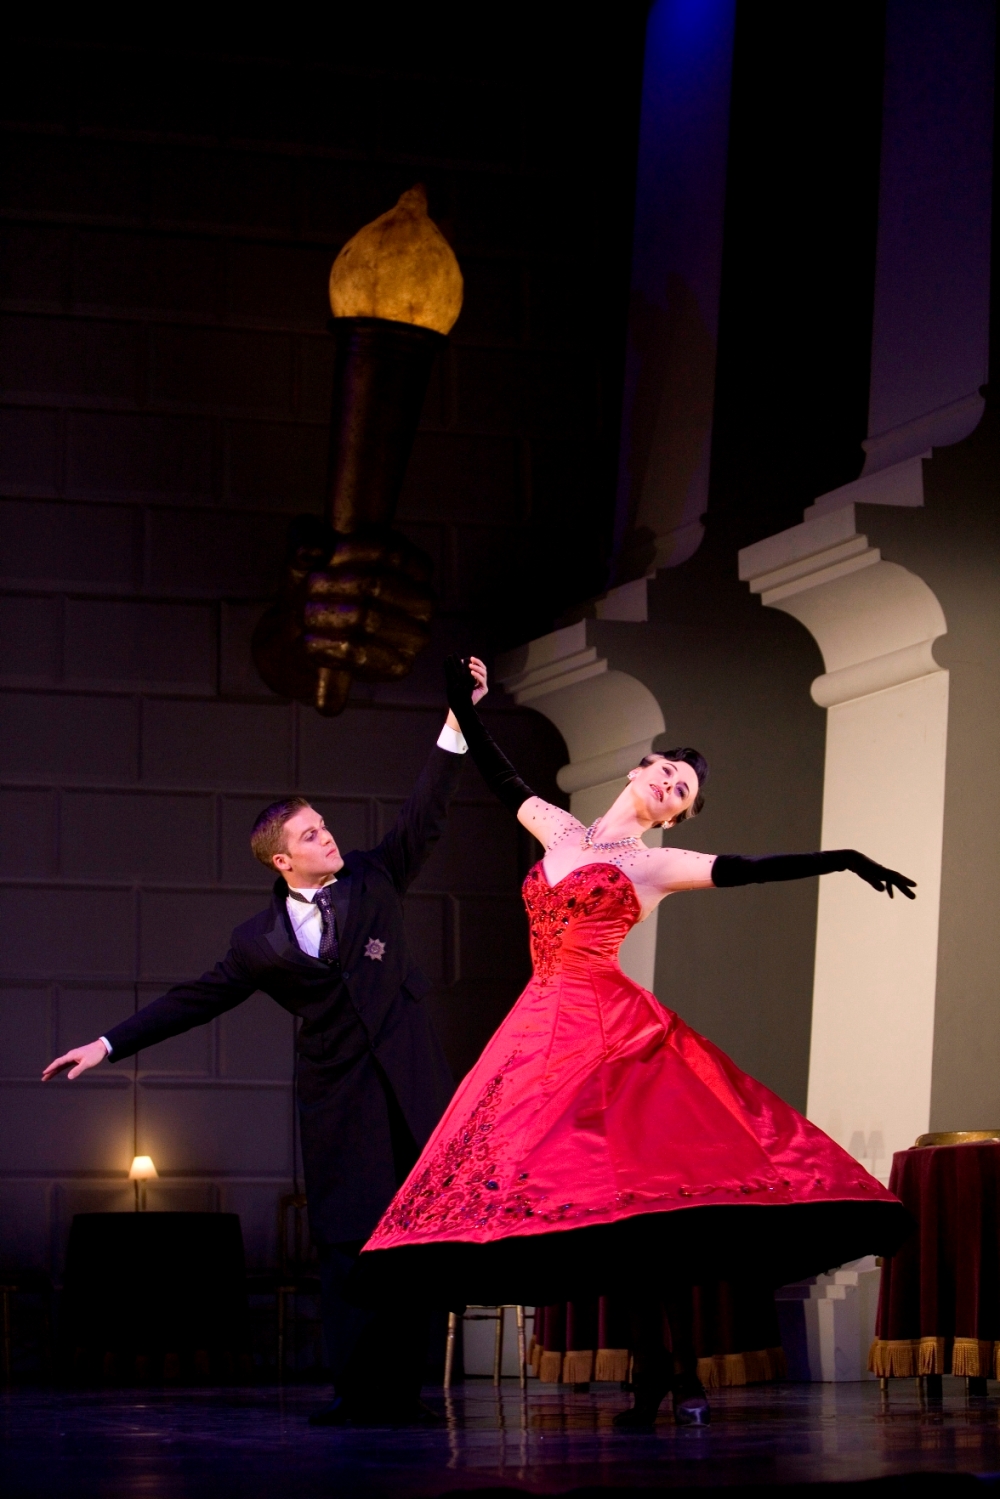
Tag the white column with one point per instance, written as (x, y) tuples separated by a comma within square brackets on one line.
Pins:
[(608, 720), (887, 712)]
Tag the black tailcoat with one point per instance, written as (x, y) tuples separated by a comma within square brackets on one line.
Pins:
[(364, 1029)]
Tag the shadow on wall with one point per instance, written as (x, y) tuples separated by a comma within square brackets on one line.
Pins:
[(733, 680), (485, 959), (670, 416)]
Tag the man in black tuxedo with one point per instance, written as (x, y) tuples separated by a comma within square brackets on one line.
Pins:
[(372, 1079)]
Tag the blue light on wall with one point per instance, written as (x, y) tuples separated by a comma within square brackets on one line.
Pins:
[(676, 275)]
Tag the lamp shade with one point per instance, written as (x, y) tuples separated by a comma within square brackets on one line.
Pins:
[(142, 1169)]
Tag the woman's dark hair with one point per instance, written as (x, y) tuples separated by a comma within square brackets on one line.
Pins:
[(698, 764)]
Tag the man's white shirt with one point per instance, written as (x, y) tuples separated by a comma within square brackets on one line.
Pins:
[(307, 920), (452, 740)]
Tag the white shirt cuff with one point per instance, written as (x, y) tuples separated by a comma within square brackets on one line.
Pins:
[(452, 740), (105, 1043)]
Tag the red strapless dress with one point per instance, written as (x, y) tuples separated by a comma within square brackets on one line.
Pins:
[(598, 1136)]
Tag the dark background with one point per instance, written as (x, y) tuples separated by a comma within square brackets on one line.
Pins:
[(170, 214), (798, 273)]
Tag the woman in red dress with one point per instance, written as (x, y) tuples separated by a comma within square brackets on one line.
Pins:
[(600, 1143)]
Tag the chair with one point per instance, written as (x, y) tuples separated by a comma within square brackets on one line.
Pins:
[(297, 1272), (6, 1294), (488, 1314), (29, 1283)]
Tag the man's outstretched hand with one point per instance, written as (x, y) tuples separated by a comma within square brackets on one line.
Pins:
[(879, 877), (478, 671), (78, 1060)]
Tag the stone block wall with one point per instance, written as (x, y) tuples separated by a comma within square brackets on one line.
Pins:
[(165, 375)]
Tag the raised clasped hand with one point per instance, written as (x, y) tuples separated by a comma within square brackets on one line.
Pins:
[(478, 671), (465, 680)]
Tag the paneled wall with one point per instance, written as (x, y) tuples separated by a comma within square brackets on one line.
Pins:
[(165, 364)]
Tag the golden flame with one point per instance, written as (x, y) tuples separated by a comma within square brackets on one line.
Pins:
[(399, 267)]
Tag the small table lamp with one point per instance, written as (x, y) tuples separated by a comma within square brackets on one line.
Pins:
[(141, 1171)]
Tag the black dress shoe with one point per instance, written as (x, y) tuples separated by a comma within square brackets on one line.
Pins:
[(415, 1413), (337, 1413), (648, 1397)]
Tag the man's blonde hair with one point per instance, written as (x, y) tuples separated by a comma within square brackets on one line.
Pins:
[(267, 836)]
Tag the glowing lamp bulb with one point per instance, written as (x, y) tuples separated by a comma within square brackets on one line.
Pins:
[(399, 267), (142, 1169)]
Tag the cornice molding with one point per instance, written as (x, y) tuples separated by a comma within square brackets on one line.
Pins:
[(874, 621)]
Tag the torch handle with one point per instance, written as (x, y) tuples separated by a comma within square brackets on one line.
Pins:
[(381, 373)]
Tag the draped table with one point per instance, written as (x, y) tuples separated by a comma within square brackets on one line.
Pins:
[(939, 1304), (152, 1296)]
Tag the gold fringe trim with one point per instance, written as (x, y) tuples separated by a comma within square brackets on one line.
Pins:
[(722, 1371), (972, 1357), (611, 1364), (578, 1366), (912, 1358), (756, 1366), (894, 1357)]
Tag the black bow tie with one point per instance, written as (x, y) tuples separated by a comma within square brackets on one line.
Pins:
[(307, 900)]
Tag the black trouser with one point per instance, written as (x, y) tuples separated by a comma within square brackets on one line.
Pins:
[(652, 1361), (375, 1356)]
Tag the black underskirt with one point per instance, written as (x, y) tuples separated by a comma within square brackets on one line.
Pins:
[(771, 1245)]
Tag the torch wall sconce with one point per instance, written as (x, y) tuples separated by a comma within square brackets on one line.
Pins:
[(357, 600)]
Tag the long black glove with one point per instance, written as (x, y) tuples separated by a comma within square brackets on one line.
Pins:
[(492, 764), (737, 869)]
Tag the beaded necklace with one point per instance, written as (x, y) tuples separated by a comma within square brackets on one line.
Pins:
[(623, 843)]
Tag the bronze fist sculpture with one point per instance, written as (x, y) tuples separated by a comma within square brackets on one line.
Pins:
[(355, 606)]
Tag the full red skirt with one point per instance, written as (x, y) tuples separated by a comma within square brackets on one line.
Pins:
[(599, 1134)]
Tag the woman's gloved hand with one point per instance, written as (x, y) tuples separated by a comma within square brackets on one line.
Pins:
[(742, 869), (496, 770), (459, 684), (877, 875)]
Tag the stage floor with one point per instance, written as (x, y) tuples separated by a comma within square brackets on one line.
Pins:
[(255, 1442)]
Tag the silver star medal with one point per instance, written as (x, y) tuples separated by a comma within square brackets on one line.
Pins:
[(375, 949)]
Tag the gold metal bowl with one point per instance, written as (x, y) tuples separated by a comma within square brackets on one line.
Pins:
[(958, 1137)]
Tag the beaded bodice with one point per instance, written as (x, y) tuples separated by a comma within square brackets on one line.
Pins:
[(584, 917)]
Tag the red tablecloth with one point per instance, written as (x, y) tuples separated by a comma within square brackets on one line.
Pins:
[(735, 1329), (939, 1305)]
